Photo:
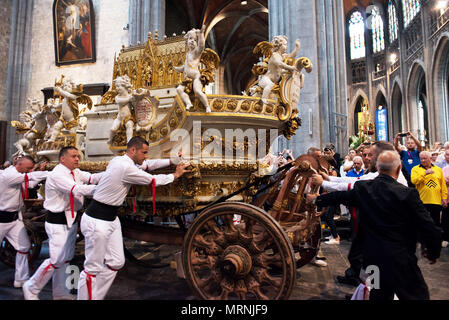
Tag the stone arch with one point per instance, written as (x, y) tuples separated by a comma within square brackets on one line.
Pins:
[(381, 102), (396, 109), (417, 102), (440, 80), (360, 94)]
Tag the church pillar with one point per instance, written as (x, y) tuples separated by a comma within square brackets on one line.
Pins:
[(19, 68), (318, 25), (145, 16)]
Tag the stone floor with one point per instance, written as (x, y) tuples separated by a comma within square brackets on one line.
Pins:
[(135, 282)]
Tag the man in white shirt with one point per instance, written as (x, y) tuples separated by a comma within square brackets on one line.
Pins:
[(15, 181), (65, 189), (100, 224)]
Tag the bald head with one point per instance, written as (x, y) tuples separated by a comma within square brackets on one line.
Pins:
[(389, 163), (24, 164)]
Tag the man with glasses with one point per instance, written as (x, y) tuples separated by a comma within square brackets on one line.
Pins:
[(357, 170)]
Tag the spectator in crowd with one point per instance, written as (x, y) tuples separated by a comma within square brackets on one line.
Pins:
[(442, 151), (445, 161), (329, 156), (410, 156), (348, 163), (357, 170), (315, 152), (319, 259), (328, 218), (445, 215), (365, 157), (434, 156), (391, 216), (330, 149), (437, 146), (430, 183)]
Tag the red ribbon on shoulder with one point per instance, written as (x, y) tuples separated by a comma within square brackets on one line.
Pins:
[(23, 192), (154, 196), (26, 186), (134, 198), (72, 198)]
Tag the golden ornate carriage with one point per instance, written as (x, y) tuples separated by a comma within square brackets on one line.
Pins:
[(243, 232)]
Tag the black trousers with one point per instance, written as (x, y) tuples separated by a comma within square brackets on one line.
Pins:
[(401, 277), (445, 223), (328, 217), (435, 211)]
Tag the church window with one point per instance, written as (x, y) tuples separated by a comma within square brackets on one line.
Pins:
[(393, 21), (410, 9), (357, 35), (377, 26)]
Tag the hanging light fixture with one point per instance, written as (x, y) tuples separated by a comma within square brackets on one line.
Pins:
[(244, 3)]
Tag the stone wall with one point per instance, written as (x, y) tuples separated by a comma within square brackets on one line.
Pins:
[(5, 33), (111, 19)]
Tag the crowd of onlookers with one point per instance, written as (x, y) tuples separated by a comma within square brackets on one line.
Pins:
[(426, 169), (422, 168)]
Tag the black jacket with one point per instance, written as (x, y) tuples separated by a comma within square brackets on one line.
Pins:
[(391, 217)]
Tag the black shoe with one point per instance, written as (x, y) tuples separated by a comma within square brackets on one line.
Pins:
[(352, 281)]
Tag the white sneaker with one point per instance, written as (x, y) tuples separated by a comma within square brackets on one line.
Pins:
[(319, 263), (67, 297), (333, 241), (27, 293), (444, 244), (18, 284)]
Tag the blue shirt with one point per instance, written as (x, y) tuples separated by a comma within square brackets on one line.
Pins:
[(410, 159), (442, 164), (353, 173)]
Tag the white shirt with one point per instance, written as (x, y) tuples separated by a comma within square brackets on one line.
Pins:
[(347, 183), (60, 183), (11, 182), (119, 176), (150, 165)]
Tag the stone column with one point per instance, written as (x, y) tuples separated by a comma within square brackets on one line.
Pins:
[(322, 41), (146, 16), (19, 68)]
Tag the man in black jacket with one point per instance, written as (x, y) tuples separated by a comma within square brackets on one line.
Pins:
[(391, 216)]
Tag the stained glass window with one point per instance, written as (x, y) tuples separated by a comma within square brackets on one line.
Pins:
[(410, 9), (377, 27), (392, 21), (357, 35)]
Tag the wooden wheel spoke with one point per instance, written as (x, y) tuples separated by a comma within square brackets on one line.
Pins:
[(206, 284), (261, 275), (228, 220), (209, 246), (227, 286), (211, 225), (199, 263), (254, 287), (240, 289), (271, 259), (200, 241)]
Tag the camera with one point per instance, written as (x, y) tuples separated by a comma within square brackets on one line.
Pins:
[(402, 134)]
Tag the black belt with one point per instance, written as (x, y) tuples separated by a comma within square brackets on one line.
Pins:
[(56, 217), (7, 217), (102, 211)]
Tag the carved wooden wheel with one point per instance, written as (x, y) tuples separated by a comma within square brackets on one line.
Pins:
[(223, 259)]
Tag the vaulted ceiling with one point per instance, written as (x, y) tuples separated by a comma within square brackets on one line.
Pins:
[(232, 30)]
